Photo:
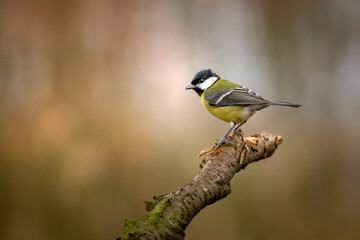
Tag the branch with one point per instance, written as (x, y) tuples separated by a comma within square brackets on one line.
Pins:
[(169, 214)]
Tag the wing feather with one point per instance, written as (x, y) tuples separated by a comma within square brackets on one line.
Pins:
[(236, 97)]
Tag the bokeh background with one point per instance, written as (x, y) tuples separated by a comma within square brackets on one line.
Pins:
[(94, 118)]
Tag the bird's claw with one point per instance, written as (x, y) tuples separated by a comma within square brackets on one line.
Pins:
[(223, 142)]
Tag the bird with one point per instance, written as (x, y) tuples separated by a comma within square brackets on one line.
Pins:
[(229, 101)]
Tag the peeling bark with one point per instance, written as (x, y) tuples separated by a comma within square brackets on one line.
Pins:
[(169, 214)]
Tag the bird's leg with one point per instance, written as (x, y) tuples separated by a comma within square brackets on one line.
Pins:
[(237, 128), (223, 140)]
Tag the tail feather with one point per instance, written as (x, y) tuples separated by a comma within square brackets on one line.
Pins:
[(285, 104)]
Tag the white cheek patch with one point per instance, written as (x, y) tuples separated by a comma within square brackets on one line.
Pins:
[(207, 83)]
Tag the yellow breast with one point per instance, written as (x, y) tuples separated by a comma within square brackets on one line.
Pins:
[(228, 113)]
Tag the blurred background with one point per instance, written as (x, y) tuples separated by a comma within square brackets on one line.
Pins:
[(94, 118)]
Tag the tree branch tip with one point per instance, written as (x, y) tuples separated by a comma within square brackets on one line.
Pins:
[(278, 140)]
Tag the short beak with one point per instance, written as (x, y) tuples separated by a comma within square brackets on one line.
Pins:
[(189, 87)]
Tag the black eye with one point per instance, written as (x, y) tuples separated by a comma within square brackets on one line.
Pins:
[(202, 80)]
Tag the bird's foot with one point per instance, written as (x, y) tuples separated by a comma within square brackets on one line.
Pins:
[(223, 142), (238, 129)]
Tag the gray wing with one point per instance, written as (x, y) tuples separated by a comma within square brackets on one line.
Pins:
[(236, 97)]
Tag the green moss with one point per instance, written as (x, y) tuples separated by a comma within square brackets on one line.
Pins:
[(135, 229), (156, 215), (131, 230), (149, 205)]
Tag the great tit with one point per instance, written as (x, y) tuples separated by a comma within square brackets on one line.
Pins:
[(229, 101)]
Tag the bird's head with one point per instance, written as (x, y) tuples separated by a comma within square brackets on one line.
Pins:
[(203, 80)]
